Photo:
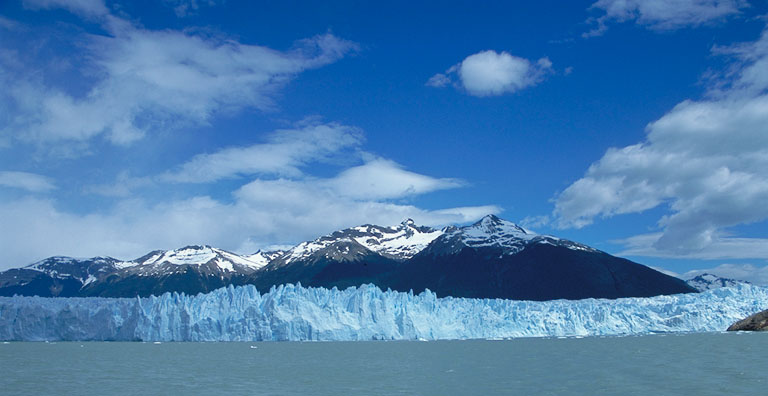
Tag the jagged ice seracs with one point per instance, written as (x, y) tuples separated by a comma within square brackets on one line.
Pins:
[(293, 312)]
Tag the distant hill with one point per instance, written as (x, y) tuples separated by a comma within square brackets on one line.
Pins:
[(707, 281)]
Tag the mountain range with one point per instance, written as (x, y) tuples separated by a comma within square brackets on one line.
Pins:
[(707, 281), (492, 258)]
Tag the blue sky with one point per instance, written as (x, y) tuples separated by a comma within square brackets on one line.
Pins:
[(638, 127)]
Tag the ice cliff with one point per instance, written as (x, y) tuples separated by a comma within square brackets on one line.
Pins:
[(364, 313)]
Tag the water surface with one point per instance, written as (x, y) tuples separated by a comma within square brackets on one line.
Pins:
[(690, 364)]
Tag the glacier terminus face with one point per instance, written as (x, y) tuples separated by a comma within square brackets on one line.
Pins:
[(296, 313)]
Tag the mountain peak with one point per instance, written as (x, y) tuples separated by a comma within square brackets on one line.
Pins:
[(491, 224), (494, 232), (490, 218), (408, 222)]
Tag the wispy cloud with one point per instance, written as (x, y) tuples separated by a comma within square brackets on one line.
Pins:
[(491, 73), (85, 8), (26, 181), (8, 24), (662, 14), (149, 80), (185, 8), (283, 154), (722, 247)]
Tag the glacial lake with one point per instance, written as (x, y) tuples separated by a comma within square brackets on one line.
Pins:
[(673, 364)]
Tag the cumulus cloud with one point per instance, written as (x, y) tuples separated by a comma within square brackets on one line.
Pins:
[(148, 80), (490, 73), (26, 181), (704, 160), (663, 14)]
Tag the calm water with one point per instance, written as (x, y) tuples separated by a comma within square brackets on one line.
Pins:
[(694, 364)]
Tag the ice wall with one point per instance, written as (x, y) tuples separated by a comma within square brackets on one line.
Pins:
[(364, 313)]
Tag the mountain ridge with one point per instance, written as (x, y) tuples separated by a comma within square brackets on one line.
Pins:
[(491, 258)]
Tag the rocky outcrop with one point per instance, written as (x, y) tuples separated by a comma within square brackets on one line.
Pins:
[(756, 322)]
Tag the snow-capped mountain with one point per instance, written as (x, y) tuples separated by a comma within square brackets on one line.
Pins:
[(80, 269), (349, 257), (492, 258), (56, 276), (206, 258), (400, 242), (191, 269), (708, 281), (493, 232)]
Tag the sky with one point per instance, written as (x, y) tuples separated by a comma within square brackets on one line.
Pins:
[(637, 127)]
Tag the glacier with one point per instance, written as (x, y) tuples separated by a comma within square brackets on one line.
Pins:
[(295, 313)]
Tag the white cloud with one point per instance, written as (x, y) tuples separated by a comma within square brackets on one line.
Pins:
[(705, 160), (147, 80), (264, 212), (124, 185), (313, 205), (718, 249), (663, 14), (284, 201), (26, 181), (383, 179), (491, 73), (86, 8), (747, 272), (283, 154)]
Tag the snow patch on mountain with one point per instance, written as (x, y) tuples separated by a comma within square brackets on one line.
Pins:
[(261, 258), (190, 255)]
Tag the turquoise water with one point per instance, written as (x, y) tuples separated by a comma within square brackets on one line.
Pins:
[(692, 364)]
